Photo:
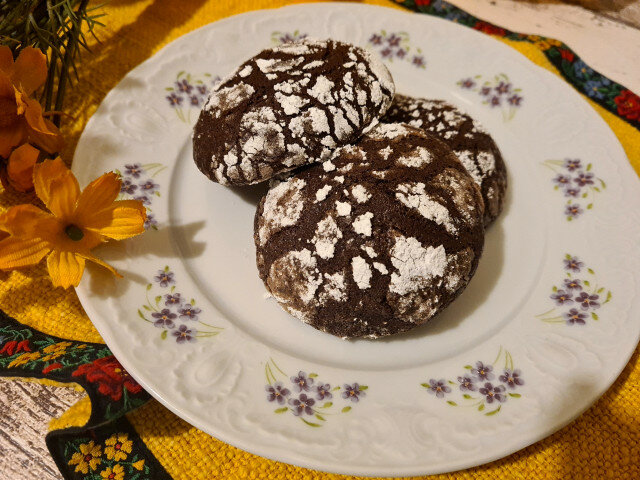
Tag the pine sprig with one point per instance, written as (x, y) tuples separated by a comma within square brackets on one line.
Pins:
[(58, 29)]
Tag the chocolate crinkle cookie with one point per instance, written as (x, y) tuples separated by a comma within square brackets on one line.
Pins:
[(374, 241), (467, 138), (289, 106)]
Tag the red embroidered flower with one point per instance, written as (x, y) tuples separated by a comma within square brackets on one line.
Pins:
[(422, 3), (567, 55), (628, 105), (14, 346), (53, 366), (490, 29), (110, 376)]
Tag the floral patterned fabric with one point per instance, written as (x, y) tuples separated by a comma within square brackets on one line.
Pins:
[(607, 93), (107, 447)]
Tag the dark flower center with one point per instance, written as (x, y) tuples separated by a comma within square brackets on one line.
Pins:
[(74, 232), (88, 458), (117, 446)]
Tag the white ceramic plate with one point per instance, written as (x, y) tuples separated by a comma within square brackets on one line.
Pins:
[(217, 353)]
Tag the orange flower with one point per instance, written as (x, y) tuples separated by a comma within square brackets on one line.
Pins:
[(78, 222), (21, 117), (19, 171)]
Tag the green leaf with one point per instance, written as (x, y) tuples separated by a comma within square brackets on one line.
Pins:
[(467, 396), (594, 316), (169, 89), (163, 335), (192, 302), (554, 288), (596, 189), (587, 283), (335, 388), (590, 206), (313, 375), (158, 298), (147, 308), (346, 409), (173, 289), (556, 187), (425, 385), (515, 395), (468, 367), (604, 185), (584, 195), (180, 73), (364, 387), (589, 167), (493, 412), (141, 314), (590, 271), (481, 407), (608, 297), (327, 405), (281, 410), (451, 383), (600, 290), (451, 402), (166, 268), (149, 286), (320, 417), (310, 424)]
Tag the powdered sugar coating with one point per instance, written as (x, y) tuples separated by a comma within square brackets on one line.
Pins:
[(288, 106), (470, 141), (402, 246)]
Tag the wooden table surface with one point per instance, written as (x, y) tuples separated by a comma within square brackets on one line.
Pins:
[(606, 35)]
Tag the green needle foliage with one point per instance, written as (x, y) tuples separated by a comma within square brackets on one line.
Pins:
[(58, 29)]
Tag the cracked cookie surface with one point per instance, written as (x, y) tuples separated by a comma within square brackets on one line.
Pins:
[(374, 241), (289, 106), (467, 138)]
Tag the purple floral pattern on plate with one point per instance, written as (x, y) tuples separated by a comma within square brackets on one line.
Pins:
[(396, 46), (577, 297), (485, 387), (578, 184), (307, 397), (170, 311), (138, 184), (189, 92), (497, 93), (279, 38)]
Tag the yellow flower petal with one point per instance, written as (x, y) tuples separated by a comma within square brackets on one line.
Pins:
[(18, 252), (20, 167), (6, 60), (139, 465), (56, 186), (25, 221), (96, 260), (13, 134), (98, 195), (30, 69), (65, 268), (122, 219)]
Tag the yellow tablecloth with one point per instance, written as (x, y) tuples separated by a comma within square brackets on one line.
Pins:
[(603, 443)]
